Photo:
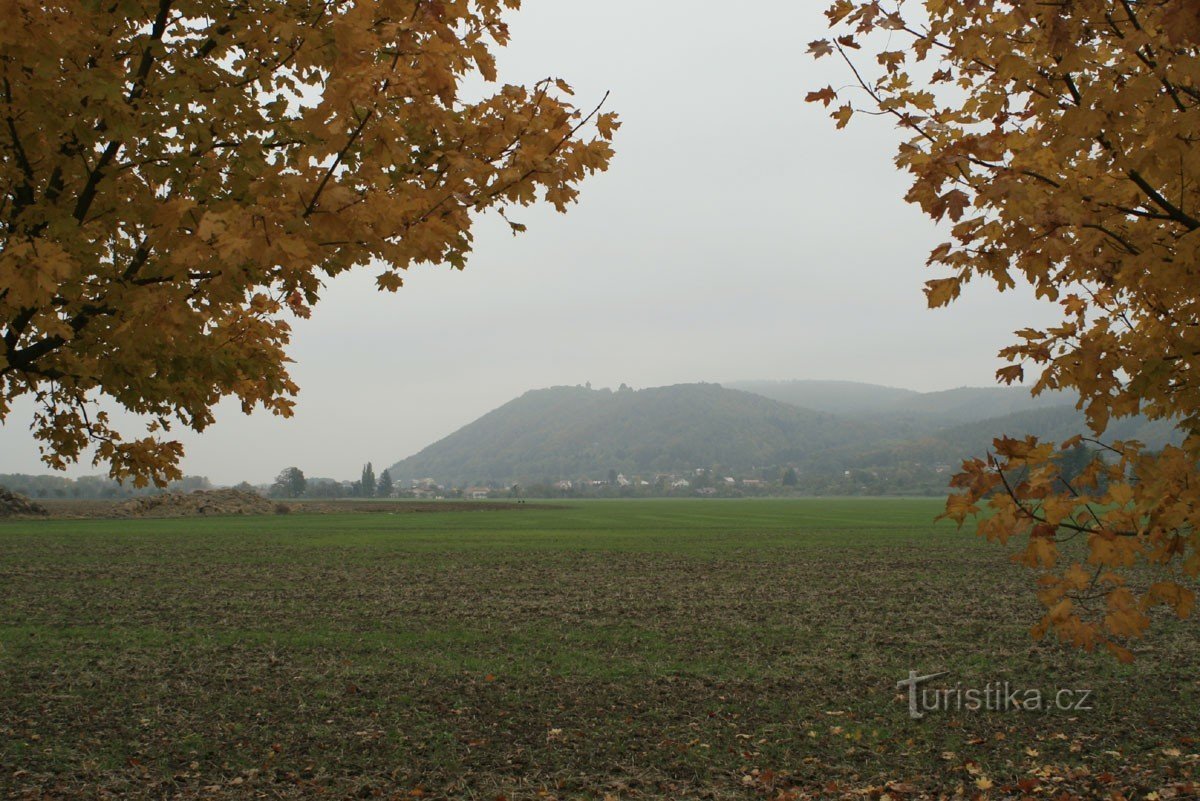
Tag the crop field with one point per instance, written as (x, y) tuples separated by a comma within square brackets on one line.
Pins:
[(622, 649)]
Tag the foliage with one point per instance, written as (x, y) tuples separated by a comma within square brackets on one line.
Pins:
[(383, 488), (290, 483), (1059, 140), (324, 488), (178, 178), (367, 483)]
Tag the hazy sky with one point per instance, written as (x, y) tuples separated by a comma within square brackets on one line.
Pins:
[(737, 236)]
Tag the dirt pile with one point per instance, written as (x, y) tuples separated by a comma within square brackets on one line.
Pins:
[(12, 505), (196, 504)]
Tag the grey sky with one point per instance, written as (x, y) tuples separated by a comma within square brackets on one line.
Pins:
[(737, 236)]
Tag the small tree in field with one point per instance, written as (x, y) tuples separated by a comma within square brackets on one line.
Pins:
[(385, 485), (179, 179), (1060, 141), (290, 483)]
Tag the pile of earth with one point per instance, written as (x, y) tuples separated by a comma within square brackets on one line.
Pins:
[(12, 505), (195, 504)]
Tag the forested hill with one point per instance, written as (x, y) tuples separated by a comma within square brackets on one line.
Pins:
[(890, 439), (576, 431), (954, 443)]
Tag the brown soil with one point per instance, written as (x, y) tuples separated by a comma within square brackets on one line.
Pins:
[(233, 502), (14, 505), (195, 504), (400, 507)]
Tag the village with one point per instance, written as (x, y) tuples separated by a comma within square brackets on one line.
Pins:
[(701, 481)]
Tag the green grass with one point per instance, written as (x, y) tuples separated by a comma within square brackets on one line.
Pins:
[(633, 648)]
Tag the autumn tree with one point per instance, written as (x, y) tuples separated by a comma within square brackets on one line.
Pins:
[(178, 178), (1059, 143)]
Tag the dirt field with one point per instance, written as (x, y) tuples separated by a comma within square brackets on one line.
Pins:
[(630, 650), (76, 509)]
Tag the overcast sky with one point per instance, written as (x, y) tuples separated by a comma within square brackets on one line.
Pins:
[(737, 236)]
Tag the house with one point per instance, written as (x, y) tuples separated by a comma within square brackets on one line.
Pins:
[(477, 493)]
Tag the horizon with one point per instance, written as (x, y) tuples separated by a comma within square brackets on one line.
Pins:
[(218, 481)]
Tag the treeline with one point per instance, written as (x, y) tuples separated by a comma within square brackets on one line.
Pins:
[(292, 483), (47, 487)]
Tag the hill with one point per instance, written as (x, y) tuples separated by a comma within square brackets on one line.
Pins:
[(850, 398), (571, 432), (951, 445), (886, 440), (906, 411)]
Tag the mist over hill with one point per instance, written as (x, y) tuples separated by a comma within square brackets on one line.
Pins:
[(906, 409), (576, 431), (950, 445), (840, 437)]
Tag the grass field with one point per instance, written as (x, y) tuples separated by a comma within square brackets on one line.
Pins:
[(654, 649)]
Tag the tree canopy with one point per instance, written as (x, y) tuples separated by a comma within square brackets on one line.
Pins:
[(368, 481), (179, 177), (290, 483), (1059, 143)]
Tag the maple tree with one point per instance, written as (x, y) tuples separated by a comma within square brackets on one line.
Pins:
[(1060, 142), (178, 178)]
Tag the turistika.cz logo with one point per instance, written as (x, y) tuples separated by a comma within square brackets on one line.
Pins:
[(997, 696)]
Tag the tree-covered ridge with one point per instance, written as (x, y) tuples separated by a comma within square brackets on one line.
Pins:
[(574, 432)]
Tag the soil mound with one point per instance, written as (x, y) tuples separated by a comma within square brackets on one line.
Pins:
[(196, 504), (12, 505)]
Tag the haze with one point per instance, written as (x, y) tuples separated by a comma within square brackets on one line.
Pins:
[(737, 236)]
